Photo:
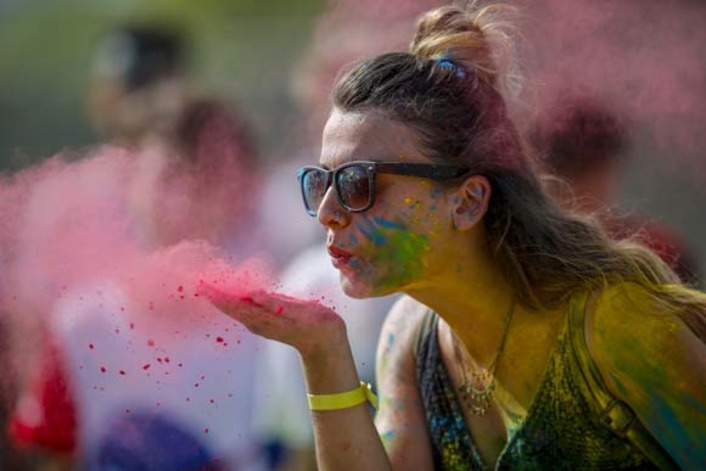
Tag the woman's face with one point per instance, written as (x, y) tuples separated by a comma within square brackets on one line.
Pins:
[(406, 239)]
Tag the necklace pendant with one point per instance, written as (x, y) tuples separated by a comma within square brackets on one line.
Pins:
[(482, 377), (477, 400)]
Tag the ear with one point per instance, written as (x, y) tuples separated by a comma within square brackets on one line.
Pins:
[(470, 202)]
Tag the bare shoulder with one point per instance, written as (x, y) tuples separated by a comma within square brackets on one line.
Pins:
[(650, 359), (630, 326), (405, 319), (400, 420), (398, 338), (628, 312)]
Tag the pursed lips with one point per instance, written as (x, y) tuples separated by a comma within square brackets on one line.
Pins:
[(338, 256)]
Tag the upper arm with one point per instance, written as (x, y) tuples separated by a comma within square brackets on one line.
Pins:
[(400, 419), (653, 362)]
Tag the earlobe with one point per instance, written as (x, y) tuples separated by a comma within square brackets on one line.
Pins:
[(465, 215)]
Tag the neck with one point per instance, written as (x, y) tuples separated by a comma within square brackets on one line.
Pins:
[(473, 301)]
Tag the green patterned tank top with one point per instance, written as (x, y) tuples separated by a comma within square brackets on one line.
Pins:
[(559, 431)]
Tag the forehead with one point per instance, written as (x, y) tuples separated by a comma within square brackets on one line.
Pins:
[(368, 135)]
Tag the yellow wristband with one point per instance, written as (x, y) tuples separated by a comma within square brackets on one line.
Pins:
[(343, 400)]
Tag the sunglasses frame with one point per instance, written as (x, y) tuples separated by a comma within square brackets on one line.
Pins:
[(372, 168)]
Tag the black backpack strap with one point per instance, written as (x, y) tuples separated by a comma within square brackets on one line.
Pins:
[(612, 412)]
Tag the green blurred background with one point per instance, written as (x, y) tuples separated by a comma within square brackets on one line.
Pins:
[(242, 50)]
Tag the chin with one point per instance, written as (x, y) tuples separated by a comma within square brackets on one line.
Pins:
[(354, 288)]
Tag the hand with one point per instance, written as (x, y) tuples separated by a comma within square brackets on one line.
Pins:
[(308, 326)]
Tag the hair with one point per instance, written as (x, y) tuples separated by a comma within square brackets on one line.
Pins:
[(141, 55), (449, 89)]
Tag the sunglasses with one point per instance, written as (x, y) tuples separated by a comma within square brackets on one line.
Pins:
[(354, 182)]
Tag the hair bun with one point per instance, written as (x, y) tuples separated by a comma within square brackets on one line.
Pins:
[(475, 38)]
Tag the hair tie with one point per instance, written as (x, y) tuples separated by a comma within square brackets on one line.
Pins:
[(455, 68)]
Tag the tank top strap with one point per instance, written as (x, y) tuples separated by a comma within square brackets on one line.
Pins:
[(613, 413)]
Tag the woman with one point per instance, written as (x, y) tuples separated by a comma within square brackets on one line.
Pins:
[(423, 188)]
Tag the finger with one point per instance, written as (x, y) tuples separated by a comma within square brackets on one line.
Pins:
[(223, 299), (273, 302)]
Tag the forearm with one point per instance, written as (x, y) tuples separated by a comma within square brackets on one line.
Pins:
[(346, 439)]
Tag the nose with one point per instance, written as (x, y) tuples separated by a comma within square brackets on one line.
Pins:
[(331, 213)]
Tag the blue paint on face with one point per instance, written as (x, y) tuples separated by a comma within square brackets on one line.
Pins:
[(386, 223), (436, 192), (371, 231)]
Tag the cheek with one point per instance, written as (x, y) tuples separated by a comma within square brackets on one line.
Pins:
[(393, 245), (398, 239), (426, 210)]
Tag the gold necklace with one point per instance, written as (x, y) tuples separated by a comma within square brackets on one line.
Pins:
[(478, 399)]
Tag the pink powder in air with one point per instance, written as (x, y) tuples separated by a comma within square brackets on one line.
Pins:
[(645, 57), (82, 262)]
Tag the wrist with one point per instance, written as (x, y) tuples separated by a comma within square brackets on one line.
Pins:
[(343, 400), (328, 366), (327, 344)]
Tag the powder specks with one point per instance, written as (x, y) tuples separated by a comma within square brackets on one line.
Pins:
[(387, 437), (411, 203), (386, 351)]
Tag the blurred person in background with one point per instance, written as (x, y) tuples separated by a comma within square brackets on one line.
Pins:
[(585, 142), (141, 98), (10, 457), (177, 167)]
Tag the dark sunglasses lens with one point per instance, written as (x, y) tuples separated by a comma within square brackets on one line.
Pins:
[(313, 188), (353, 186)]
